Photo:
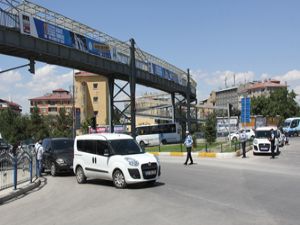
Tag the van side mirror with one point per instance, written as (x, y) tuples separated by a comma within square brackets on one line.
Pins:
[(106, 152)]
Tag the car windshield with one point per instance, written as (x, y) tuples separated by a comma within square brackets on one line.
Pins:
[(263, 134), (126, 147), (286, 123), (63, 145)]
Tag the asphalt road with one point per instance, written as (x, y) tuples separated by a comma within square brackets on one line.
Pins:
[(256, 190)]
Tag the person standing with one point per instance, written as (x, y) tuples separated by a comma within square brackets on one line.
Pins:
[(188, 142), (272, 140), (243, 140), (39, 157)]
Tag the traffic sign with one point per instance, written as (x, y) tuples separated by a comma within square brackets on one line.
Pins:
[(245, 112)]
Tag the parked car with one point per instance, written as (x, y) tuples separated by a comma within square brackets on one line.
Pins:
[(281, 138), (4, 147), (236, 135), (58, 155), (261, 142), (115, 157)]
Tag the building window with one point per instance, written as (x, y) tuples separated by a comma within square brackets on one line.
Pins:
[(52, 109), (95, 85), (95, 99)]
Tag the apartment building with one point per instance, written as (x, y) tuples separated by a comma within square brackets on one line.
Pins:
[(51, 103), (91, 97), (4, 104)]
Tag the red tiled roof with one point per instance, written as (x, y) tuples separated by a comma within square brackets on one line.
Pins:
[(58, 94), (12, 104), (270, 83), (53, 97), (83, 73), (60, 90)]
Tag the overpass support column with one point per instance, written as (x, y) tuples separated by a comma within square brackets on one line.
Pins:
[(173, 107), (188, 92), (132, 80), (111, 82)]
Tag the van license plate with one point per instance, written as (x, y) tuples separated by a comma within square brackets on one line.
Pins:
[(150, 172)]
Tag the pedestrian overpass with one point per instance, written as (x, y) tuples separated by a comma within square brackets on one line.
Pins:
[(30, 31)]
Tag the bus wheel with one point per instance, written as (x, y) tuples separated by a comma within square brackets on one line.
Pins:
[(164, 142)]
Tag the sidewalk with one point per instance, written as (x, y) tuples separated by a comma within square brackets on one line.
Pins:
[(8, 193), (204, 154)]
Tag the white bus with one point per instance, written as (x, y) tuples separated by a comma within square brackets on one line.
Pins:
[(151, 135)]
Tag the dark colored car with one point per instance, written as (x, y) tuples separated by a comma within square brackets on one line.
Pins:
[(4, 147), (58, 155)]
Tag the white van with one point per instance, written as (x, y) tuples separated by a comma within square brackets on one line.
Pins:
[(115, 157), (261, 143), (291, 126)]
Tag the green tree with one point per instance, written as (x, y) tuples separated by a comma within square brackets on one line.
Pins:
[(38, 128), (60, 125), (280, 103), (85, 125), (13, 126), (210, 130)]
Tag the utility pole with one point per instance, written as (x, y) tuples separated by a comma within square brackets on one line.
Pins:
[(229, 130), (132, 81), (188, 100), (73, 108)]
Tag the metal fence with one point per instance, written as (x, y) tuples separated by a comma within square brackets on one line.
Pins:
[(16, 169), (9, 20)]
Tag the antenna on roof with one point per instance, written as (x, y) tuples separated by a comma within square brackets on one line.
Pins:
[(234, 79)]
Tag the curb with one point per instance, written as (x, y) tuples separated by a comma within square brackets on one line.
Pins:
[(219, 155), (18, 192)]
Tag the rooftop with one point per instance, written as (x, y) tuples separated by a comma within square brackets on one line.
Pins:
[(58, 94), (266, 83)]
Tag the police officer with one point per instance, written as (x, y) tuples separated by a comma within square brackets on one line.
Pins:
[(272, 140), (243, 140), (188, 142)]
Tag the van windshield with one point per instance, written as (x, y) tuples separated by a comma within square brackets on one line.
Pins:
[(63, 145), (126, 147), (263, 134), (287, 123)]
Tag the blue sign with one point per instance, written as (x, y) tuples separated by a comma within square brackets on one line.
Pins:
[(60, 35), (245, 112)]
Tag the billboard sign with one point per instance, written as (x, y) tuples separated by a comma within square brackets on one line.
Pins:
[(40, 29)]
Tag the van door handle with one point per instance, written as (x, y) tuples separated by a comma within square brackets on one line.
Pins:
[(95, 160)]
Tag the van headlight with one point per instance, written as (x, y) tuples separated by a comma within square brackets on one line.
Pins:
[(255, 142), (60, 161), (132, 162)]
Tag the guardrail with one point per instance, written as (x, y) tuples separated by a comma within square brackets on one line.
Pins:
[(16, 169), (9, 20)]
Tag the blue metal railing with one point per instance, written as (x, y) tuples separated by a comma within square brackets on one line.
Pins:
[(16, 169)]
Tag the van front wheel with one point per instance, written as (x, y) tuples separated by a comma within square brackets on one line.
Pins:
[(81, 178), (119, 179)]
